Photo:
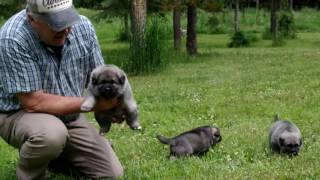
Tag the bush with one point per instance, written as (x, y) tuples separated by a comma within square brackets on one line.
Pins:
[(241, 39), (286, 25)]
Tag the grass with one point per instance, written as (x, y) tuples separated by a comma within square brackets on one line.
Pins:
[(239, 90)]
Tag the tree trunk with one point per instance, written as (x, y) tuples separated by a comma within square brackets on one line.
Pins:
[(137, 40), (236, 16), (138, 21), (274, 20), (177, 27), (291, 5), (257, 11), (191, 30)]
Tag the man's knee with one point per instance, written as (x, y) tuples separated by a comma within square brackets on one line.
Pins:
[(48, 138), (117, 171)]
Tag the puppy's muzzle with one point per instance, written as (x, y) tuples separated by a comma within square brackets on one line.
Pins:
[(108, 91)]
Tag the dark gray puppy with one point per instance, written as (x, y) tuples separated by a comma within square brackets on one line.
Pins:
[(194, 142), (285, 137), (108, 82)]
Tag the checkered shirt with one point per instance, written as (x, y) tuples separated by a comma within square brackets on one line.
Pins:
[(26, 65)]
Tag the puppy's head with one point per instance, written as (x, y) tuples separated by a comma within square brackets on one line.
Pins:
[(216, 136), (290, 143), (107, 81)]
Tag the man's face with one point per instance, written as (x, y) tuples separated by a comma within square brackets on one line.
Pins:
[(46, 34)]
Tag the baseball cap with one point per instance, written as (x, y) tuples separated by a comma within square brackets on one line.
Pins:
[(59, 14)]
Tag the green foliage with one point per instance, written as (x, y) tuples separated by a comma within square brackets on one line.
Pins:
[(287, 25), (151, 57), (238, 40), (9, 8), (214, 25)]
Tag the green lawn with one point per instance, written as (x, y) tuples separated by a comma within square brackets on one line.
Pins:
[(239, 90)]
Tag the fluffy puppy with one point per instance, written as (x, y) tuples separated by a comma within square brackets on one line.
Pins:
[(108, 82), (284, 137), (197, 141)]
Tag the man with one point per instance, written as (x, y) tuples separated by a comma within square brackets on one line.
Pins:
[(47, 54)]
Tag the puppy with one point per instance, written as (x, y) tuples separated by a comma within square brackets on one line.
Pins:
[(285, 137), (108, 82), (197, 141)]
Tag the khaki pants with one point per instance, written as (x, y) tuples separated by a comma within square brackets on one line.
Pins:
[(43, 138)]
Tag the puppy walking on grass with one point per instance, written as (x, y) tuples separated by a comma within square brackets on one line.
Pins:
[(194, 142), (285, 137), (108, 82)]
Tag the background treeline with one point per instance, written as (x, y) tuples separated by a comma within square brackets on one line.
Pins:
[(9, 7)]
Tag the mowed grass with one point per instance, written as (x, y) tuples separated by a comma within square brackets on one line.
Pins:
[(238, 90)]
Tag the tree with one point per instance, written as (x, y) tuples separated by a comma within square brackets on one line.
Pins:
[(177, 25), (275, 5), (8, 8), (191, 29), (117, 8), (236, 16), (137, 41)]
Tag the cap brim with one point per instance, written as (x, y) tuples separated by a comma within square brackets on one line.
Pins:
[(62, 19)]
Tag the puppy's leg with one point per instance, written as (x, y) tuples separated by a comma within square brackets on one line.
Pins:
[(180, 151), (132, 120), (88, 103), (104, 122)]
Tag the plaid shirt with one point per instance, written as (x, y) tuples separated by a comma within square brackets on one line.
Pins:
[(26, 65)]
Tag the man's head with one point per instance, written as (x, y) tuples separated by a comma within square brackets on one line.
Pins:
[(52, 19)]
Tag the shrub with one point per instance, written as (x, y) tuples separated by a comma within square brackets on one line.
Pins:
[(241, 39), (286, 25)]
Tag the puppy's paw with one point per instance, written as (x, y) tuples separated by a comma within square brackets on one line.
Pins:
[(137, 128), (88, 103), (86, 107)]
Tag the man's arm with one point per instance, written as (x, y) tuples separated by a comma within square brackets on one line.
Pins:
[(39, 101)]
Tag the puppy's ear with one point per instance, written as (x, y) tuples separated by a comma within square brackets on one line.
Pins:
[(122, 79)]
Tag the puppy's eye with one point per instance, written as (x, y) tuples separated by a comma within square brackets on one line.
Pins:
[(216, 135)]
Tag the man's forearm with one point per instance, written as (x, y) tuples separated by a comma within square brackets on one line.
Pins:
[(50, 103)]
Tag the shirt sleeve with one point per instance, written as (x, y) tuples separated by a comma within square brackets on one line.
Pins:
[(19, 71)]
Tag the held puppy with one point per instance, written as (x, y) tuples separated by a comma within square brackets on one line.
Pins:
[(194, 142), (108, 82), (284, 137)]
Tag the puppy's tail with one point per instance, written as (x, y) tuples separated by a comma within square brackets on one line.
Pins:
[(165, 140)]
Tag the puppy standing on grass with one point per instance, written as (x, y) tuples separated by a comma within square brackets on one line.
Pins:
[(196, 141), (285, 137), (108, 82)]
